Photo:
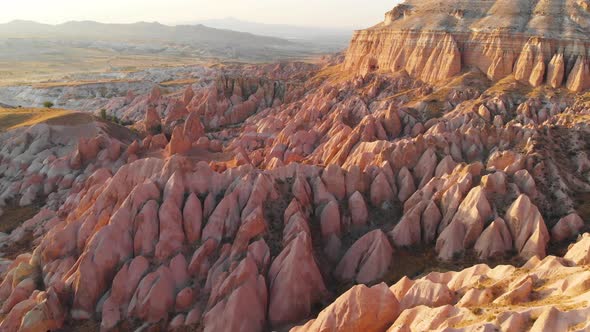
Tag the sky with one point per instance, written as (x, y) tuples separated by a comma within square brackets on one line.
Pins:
[(318, 13)]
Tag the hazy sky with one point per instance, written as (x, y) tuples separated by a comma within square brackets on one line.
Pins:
[(325, 13)]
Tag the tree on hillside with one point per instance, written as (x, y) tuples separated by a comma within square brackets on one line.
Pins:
[(48, 104)]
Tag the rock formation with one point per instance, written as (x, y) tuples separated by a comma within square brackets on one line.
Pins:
[(308, 197), (435, 40)]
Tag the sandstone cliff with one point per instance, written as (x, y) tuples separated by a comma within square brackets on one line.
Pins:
[(537, 41)]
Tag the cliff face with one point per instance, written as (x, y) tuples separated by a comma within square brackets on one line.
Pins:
[(539, 42)]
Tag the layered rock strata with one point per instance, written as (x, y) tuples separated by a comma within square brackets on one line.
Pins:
[(541, 43)]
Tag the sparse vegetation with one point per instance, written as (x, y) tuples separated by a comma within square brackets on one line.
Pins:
[(157, 129), (113, 118), (48, 104)]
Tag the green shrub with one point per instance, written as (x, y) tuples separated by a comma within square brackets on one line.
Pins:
[(48, 104), (157, 129)]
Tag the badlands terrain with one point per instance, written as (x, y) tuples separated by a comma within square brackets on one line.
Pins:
[(433, 177)]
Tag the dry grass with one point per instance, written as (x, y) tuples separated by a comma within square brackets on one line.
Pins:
[(185, 81), (333, 74), (46, 85), (14, 216), (79, 61), (12, 118)]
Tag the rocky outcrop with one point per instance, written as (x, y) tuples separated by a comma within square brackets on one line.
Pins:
[(498, 39), (430, 57), (359, 309), (466, 226), (579, 78), (367, 260), (495, 240), (527, 228), (466, 299), (568, 227)]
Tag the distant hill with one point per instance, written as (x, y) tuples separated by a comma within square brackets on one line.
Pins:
[(36, 51), (285, 31), (142, 31)]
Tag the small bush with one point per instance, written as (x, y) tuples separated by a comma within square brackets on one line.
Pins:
[(103, 114), (48, 104), (157, 129)]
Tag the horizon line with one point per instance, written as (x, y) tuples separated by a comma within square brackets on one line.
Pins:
[(181, 23)]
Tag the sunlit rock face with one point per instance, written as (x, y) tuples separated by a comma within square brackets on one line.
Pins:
[(545, 42)]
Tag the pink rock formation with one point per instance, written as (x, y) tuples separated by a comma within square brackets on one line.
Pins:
[(281, 181), (408, 231), (172, 235), (243, 291), (154, 295), (152, 119), (466, 226), (495, 240), (359, 309), (334, 180), (406, 184), (567, 227), (358, 209), (295, 282), (330, 220), (179, 143), (193, 127), (367, 260), (527, 227), (426, 293), (382, 193)]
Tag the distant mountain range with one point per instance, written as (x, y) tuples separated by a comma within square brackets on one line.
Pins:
[(285, 31), (142, 31), (32, 50)]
